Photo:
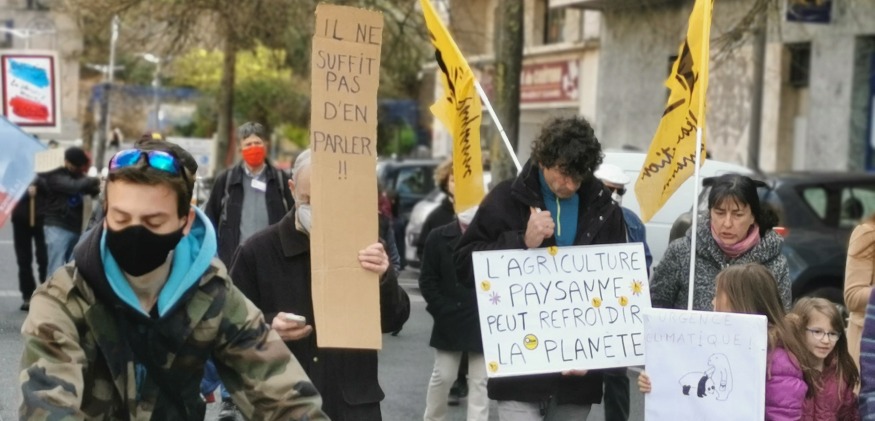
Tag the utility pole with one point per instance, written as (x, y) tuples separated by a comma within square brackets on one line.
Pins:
[(103, 127), (756, 104)]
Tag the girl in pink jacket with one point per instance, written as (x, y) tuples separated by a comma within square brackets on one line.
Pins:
[(831, 392), (751, 289)]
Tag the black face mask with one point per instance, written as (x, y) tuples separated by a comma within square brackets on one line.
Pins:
[(138, 251)]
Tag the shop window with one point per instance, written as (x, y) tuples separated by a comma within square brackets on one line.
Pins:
[(800, 64), (6, 40), (554, 25)]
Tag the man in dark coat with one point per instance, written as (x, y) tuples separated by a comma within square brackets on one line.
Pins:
[(64, 190), (26, 235), (456, 329), (554, 201), (249, 196), (273, 270)]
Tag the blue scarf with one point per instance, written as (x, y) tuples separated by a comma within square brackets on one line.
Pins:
[(563, 211)]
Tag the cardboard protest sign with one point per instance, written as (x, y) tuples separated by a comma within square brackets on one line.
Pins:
[(705, 365), (548, 310), (30, 89), (345, 74)]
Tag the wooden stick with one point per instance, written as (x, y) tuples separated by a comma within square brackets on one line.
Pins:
[(32, 211)]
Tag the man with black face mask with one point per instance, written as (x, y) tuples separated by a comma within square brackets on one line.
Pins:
[(124, 330)]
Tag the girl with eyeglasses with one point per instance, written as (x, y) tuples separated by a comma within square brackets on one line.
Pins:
[(831, 387)]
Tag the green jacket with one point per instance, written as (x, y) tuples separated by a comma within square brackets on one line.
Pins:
[(89, 355)]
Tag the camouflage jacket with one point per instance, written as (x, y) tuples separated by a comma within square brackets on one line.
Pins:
[(89, 356)]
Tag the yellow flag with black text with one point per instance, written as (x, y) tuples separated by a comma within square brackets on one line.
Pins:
[(459, 110), (672, 155)]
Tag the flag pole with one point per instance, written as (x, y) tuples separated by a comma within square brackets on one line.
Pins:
[(516, 162), (694, 226), (704, 58)]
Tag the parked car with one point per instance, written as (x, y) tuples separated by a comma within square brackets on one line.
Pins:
[(417, 218), (405, 182), (816, 214)]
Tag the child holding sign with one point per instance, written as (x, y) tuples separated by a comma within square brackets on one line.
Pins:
[(751, 289), (831, 396)]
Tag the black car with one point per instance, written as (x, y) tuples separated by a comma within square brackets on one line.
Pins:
[(405, 182), (817, 212)]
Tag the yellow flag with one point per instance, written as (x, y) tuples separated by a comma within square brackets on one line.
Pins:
[(671, 158), (459, 110)]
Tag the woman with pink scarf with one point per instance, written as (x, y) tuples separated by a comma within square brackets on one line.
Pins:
[(737, 230)]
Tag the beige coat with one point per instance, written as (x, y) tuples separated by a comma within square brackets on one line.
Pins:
[(858, 284)]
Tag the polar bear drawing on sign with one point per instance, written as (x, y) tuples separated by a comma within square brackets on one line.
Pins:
[(700, 382), (720, 372)]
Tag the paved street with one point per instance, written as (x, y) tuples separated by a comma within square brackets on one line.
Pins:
[(405, 362)]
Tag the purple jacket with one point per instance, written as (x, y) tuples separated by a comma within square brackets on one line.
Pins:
[(785, 387), (828, 404)]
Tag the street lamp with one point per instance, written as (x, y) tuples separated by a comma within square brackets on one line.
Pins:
[(104, 109), (27, 33), (156, 87)]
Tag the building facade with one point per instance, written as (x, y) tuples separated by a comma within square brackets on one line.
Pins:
[(31, 25), (559, 70), (815, 99)]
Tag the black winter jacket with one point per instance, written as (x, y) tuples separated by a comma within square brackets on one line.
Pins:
[(228, 228), (272, 269), (439, 216), (452, 305), (63, 192), (500, 224)]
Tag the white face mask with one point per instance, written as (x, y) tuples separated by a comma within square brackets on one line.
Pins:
[(617, 198), (305, 217)]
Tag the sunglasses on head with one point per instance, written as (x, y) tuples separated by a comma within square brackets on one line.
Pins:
[(619, 190), (159, 160)]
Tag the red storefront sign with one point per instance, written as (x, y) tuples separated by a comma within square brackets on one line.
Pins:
[(555, 81)]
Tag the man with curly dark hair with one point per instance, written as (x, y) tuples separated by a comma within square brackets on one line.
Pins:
[(554, 201)]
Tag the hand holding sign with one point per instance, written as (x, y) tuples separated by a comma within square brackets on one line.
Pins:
[(539, 228), (374, 259)]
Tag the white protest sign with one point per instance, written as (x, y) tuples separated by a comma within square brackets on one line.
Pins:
[(552, 309), (201, 149), (705, 365)]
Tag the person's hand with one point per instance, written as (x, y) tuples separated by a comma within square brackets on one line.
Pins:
[(574, 372), (31, 190), (289, 330), (644, 383), (374, 258), (539, 228)]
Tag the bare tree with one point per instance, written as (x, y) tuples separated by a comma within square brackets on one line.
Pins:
[(171, 26)]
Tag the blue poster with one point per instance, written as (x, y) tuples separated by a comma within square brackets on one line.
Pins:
[(809, 11), (16, 165)]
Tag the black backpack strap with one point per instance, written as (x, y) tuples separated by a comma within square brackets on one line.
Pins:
[(279, 181)]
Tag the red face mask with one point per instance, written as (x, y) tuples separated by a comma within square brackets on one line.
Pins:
[(254, 155)]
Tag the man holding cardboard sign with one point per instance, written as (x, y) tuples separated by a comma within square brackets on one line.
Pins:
[(273, 270), (554, 201)]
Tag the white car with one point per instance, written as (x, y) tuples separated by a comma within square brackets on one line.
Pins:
[(659, 227), (417, 218)]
